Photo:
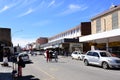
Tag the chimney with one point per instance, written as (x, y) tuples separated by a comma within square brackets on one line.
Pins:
[(112, 6)]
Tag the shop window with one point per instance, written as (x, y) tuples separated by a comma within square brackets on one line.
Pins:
[(98, 25), (115, 20)]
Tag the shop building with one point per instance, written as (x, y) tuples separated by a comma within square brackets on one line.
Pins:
[(105, 29), (68, 41), (5, 40), (40, 41)]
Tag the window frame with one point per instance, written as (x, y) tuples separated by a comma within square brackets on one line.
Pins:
[(98, 25), (115, 20)]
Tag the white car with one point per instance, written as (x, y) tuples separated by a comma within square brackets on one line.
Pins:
[(45, 55), (25, 56), (77, 55), (101, 58)]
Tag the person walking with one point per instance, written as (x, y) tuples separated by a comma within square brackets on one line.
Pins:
[(21, 64), (5, 58), (47, 56), (50, 55), (56, 56)]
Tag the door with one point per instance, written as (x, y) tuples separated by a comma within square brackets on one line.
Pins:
[(95, 59)]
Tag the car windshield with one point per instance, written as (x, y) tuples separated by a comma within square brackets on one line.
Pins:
[(75, 53), (105, 54)]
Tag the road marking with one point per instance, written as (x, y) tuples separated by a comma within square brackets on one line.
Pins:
[(52, 77), (54, 69)]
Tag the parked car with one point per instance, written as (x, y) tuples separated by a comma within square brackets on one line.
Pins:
[(24, 56), (45, 54), (39, 52), (33, 53), (77, 55), (101, 58)]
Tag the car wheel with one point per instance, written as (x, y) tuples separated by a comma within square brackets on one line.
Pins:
[(86, 62), (105, 65)]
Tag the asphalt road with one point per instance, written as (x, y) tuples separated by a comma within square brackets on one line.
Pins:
[(66, 69)]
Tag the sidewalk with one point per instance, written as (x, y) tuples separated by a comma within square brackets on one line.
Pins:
[(5, 71)]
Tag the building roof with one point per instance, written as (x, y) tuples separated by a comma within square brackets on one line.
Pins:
[(112, 8)]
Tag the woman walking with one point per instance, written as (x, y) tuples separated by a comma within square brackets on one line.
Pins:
[(21, 64)]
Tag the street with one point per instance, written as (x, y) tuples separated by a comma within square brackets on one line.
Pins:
[(66, 69)]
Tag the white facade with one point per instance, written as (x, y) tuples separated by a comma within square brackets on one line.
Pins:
[(108, 36), (72, 33)]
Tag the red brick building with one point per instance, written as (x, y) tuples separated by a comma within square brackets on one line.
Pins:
[(42, 40)]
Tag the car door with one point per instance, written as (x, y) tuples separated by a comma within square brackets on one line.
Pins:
[(89, 57), (79, 55), (74, 55), (95, 59)]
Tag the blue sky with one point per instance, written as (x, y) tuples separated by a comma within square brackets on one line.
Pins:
[(31, 19)]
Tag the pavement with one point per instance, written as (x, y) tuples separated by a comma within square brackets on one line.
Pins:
[(5, 71)]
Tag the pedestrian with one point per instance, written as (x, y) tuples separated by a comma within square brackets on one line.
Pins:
[(5, 58), (21, 64), (47, 55), (56, 55), (50, 55)]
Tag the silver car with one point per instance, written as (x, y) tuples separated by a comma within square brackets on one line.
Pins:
[(101, 58)]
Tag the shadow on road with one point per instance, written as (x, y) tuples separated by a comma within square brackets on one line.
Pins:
[(29, 62), (5, 76), (115, 69), (57, 61), (28, 77)]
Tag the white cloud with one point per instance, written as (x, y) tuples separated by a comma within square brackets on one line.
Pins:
[(24, 3), (4, 8), (72, 8), (29, 11), (22, 41), (8, 6), (51, 3)]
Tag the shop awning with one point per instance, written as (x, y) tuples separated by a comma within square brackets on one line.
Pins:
[(57, 42), (108, 36), (48, 47)]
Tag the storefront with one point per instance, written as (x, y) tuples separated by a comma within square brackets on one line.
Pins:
[(109, 40), (64, 45)]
